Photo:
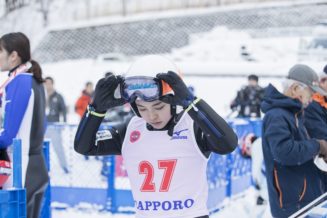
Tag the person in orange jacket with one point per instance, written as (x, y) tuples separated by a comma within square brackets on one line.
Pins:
[(84, 99)]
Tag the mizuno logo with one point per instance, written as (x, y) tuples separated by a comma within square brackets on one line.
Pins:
[(177, 134)]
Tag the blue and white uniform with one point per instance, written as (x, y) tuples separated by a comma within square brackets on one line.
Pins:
[(23, 104)]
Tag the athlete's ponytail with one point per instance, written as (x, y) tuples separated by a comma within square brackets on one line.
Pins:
[(36, 71)]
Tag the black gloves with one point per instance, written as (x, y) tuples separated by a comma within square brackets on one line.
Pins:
[(182, 95), (104, 93), (105, 89)]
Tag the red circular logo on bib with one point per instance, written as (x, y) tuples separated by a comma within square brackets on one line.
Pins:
[(135, 135)]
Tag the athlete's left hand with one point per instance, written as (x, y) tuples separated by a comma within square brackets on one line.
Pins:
[(182, 95), (104, 97)]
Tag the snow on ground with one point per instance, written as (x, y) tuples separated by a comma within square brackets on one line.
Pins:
[(241, 206), (69, 213), (222, 44), (244, 206), (208, 55)]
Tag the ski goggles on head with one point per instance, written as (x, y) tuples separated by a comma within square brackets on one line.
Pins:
[(143, 87)]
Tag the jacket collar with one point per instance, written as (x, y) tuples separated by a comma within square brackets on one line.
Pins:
[(274, 99), (320, 99)]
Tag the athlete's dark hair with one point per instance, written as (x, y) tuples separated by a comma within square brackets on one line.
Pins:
[(20, 43)]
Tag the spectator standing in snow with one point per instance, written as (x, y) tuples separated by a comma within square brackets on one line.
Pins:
[(248, 99), (56, 112), (84, 100), (292, 177), (56, 107)]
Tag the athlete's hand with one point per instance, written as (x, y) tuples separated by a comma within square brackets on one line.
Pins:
[(182, 95), (104, 93)]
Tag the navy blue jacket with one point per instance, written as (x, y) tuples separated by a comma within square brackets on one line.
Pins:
[(293, 179), (316, 123)]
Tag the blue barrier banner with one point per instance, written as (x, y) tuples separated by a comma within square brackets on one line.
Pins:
[(13, 202), (111, 203), (75, 195), (46, 207)]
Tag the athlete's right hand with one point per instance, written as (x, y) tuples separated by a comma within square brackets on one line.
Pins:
[(104, 93)]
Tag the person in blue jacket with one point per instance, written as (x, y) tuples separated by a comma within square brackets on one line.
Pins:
[(292, 177), (23, 101), (316, 118)]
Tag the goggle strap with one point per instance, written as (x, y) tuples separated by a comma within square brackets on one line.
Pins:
[(160, 85)]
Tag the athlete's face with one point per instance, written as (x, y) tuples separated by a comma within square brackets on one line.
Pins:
[(4, 60), (156, 113)]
